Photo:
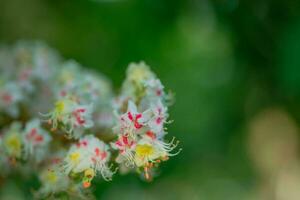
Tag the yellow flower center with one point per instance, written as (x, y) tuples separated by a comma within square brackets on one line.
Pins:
[(51, 177), (59, 106), (13, 142), (74, 157), (144, 150)]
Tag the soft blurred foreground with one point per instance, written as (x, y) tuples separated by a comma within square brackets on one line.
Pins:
[(234, 68)]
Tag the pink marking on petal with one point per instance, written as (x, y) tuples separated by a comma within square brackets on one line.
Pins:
[(158, 92), (81, 110), (103, 155), (159, 110), (159, 120), (130, 116), (63, 93), (118, 143), (138, 116), (125, 140), (7, 98), (97, 151), (39, 138), (78, 117), (84, 143), (137, 125)]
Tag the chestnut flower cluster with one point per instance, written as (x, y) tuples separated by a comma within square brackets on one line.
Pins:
[(141, 127), (65, 122)]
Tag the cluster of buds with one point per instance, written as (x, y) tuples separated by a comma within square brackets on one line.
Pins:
[(64, 121)]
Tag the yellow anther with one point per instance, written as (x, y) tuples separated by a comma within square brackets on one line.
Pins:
[(89, 173)]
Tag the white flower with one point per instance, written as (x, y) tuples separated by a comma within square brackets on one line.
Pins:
[(159, 118), (53, 180), (74, 117), (36, 140), (126, 148), (89, 155), (132, 121)]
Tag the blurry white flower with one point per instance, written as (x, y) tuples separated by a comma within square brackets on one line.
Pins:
[(36, 140), (154, 88), (53, 180), (10, 98), (12, 141), (73, 117)]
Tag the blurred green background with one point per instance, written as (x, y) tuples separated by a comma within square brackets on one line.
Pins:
[(234, 67)]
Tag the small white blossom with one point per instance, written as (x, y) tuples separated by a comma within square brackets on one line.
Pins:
[(126, 147), (90, 156), (53, 180), (73, 117), (159, 118), (36, 140), (132, 121)]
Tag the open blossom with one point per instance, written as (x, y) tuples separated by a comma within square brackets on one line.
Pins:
[(36, 140), (159, 118), (72, 116), (126, 147), (132, 121), (89, 156)]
